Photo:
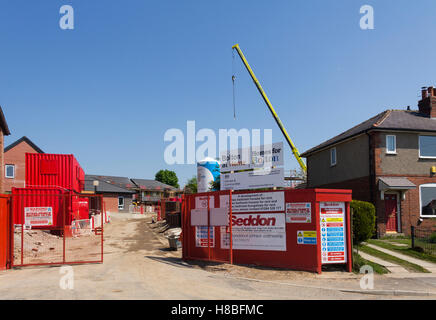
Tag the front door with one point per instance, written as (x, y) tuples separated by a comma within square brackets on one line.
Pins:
[(391, 212)]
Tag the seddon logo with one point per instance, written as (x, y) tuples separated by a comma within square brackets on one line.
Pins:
[(253, 221)]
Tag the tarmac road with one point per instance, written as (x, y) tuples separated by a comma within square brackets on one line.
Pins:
[(137, 265)]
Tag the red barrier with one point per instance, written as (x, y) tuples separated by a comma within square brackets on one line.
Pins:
[(299, 229)]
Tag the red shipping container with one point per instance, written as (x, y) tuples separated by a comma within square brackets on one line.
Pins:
[(42, 208), (80, 208), (54, 171)]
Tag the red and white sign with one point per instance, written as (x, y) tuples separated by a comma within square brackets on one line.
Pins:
[(333, 240), (38, 216), (298, 212), (259, 231)]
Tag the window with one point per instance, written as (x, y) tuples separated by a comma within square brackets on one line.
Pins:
[(391, 144), (10, 171), (427, 198), (333, 156), (120, 202), (427, 146)]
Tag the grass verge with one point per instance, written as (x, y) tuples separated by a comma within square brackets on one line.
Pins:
[(407, 251), (387, 257), (359, 262)]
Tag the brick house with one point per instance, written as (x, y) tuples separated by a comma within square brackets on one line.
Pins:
[(4, 131), (15, 162), (150, 192), (115, 190), (389, 160)]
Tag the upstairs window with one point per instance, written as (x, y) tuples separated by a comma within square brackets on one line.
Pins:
[(10, 171), (427, 146), (391, 144), (332, 156)]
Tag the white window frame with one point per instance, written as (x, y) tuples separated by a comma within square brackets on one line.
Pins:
[(419, 147), (6, 171), (395, 144), (427, 185), (331, 158), (120, 206)]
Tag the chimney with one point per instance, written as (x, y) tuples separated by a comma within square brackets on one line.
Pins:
[(427, 105)]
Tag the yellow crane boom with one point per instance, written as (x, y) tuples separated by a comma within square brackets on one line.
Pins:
[(273, 112)]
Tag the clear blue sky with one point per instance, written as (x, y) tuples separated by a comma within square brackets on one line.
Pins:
[(109, 89)]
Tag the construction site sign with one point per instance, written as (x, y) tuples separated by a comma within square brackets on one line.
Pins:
[(333, 240), (258, 202), (257, 179), (202, 235), (38, 216), (252, 157), (259, 231), (306, 237), (298, 212)]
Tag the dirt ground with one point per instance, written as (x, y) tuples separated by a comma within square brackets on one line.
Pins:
[(139, 265)]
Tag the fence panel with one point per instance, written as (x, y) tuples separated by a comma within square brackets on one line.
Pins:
[(425, 239), (53, 226)]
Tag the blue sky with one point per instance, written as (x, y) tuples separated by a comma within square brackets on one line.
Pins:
[(109, 89)]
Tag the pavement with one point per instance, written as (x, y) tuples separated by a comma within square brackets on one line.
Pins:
[(139, 265), (422, 263), (392, 267)]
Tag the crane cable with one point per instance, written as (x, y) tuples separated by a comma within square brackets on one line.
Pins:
[(233, 81)]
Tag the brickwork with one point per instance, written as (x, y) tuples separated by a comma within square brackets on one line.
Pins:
[(17, 157)]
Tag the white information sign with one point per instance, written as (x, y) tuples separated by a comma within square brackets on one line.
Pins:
[(253, 179), (38, 216), (254, 157), (333, 239), (259, 231), (258, 202), (298, 212), (201, 236)]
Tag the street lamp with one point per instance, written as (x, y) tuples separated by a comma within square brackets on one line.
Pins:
[(95, 186)]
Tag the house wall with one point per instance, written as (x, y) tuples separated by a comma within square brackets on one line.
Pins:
[(111, 201), (406, 161), (2, 163), (17, 157), (352, 163)]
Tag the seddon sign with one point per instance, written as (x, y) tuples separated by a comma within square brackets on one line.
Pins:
[(257, 220)]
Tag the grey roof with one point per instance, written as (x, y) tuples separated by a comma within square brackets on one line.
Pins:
[(103, 186), (122, 182), (23, 139), (3, 123), (404, 120), (398, 183), (151, 184)]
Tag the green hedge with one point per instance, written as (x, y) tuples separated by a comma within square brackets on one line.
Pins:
[(363, 220)]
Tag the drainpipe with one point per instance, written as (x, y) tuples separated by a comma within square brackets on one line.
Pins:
[(371, 175)]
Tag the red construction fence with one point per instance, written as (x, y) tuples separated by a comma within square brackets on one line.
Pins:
[(300, 229)]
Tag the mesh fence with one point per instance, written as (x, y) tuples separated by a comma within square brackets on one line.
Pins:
[(425, 239)]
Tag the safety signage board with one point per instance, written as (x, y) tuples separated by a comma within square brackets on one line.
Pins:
[(332, 225), (201, 236), (38, 216), (258, 202), (298, 212), (306, 237)]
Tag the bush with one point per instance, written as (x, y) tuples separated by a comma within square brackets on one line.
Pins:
[(363, 220)]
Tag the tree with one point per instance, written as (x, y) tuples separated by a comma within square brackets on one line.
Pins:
[(215, 185), (168, 177), (363, 220), (191, 185)]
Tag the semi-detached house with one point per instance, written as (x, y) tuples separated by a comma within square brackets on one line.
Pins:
[(389, 160)]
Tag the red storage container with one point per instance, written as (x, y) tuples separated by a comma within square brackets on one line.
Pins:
[(54, 171), (48, 206), (80, 208)]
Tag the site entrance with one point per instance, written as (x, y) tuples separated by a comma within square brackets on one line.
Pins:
[(53, 227), (300, 229)]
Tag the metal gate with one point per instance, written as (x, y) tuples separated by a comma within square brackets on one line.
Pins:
[(54, 227)]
